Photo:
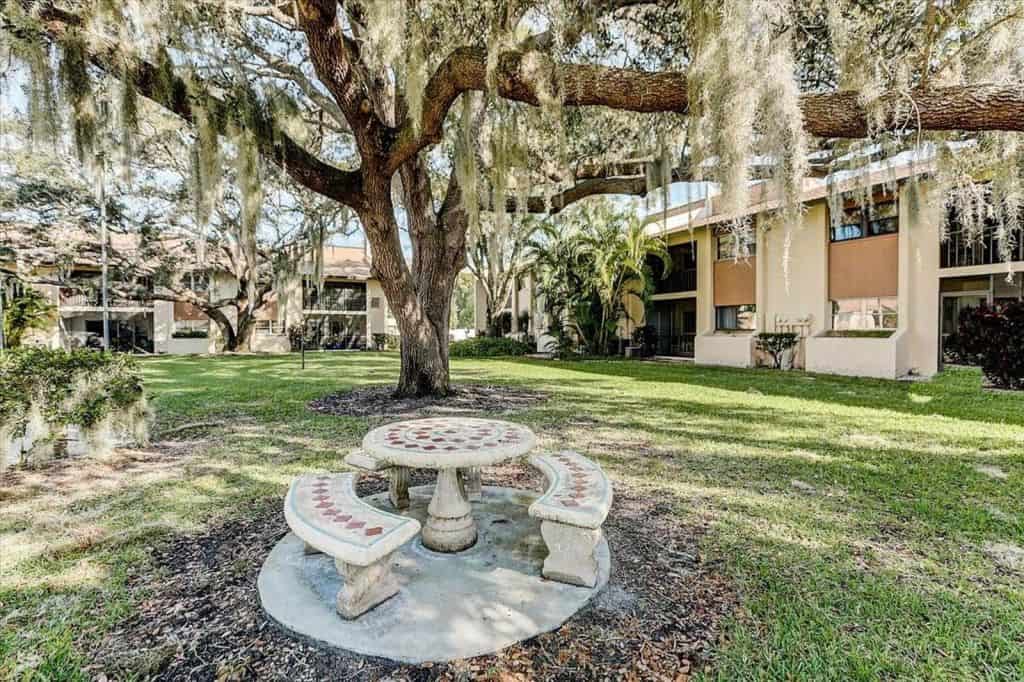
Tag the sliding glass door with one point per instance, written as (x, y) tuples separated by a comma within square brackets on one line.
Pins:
[(675, 323)]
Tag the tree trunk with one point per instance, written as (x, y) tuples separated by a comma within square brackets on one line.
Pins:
[(423, 326), (246, 322), (420, 302), (227, 330)]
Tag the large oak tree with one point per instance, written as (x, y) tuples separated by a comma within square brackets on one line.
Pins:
[(354, 100)]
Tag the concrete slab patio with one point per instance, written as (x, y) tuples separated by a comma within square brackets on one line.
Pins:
[(450, 606)]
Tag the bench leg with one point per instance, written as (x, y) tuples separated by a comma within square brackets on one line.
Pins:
[(364, 587), (398, 488), (571, 556)]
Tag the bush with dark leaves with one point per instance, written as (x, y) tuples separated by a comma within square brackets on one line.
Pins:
[(993, 337)]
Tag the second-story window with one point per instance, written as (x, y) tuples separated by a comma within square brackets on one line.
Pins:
[(336, 296), (881, 217), (728, 249), (682, 276)]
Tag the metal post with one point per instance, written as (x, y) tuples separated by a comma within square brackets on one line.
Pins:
[(103, 250), (3, 299)]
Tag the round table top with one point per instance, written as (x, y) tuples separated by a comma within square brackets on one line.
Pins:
[(448, 442)]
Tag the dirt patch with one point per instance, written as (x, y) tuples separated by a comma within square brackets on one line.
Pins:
[(466, 399), (1008, 556), (199, 615), (991, 471)]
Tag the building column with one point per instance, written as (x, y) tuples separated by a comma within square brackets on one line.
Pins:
[(532, 302), (762, 324), (918, 294), (705, 281), (515, 305)]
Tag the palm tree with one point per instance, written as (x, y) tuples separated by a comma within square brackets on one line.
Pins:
[(31, 310), (619, 271), (591, 265)]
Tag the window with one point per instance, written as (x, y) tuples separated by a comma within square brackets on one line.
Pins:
[(683, 275), (883, 218), (197, 281), (191, 326), (735, 317), (727, 247), (880, 218), (269, 328), (864, 313)]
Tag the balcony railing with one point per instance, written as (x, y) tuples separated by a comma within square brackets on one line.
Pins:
[(679, 345), (345, 300), (73, 298), (683, 274), (961, 250)]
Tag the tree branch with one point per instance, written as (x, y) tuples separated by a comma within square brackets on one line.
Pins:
[(334, 59), (306, 169), (522, 76)]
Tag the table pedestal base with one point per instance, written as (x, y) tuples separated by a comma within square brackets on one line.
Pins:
[(450, 526)]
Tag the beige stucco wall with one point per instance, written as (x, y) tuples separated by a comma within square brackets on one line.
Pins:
[(919, 301), (805, 294), (375, 317), (186, 346)]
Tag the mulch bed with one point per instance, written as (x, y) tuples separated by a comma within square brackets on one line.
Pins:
[(200, 616), (466, 399)]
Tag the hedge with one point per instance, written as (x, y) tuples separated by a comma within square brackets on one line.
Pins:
[(488, 347)]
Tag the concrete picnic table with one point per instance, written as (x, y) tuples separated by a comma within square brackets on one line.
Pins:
[(449, 444)]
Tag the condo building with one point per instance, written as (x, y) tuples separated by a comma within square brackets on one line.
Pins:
[(873, 292), (344, 310)]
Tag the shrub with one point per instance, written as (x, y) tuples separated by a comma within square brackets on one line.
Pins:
[(31, 310), (43, 392), (488, 347), (993, 337), (646, 338), (776, 344), (295, 332), (191, 334)]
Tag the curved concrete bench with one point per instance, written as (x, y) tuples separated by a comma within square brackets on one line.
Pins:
[(325, 513), (572, 510)]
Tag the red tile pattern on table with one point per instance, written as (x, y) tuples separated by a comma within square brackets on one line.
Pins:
[(451, 434)]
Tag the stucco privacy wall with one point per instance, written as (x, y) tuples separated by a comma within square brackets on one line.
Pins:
[(735, 349), (859, 357)]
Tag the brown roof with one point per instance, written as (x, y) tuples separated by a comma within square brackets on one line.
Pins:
[(342, 262), (346, 262)]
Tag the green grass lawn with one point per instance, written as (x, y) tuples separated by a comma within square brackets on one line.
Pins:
[(869, 527)]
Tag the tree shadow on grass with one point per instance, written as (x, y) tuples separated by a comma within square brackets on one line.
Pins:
[(956, 393)]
